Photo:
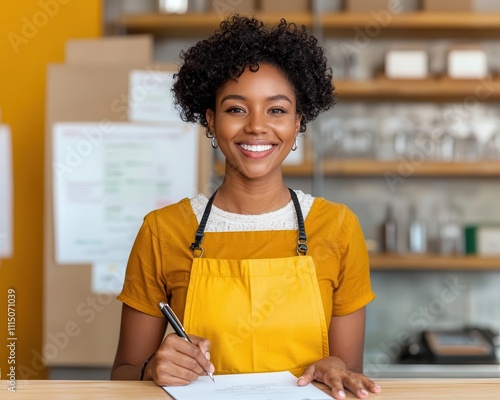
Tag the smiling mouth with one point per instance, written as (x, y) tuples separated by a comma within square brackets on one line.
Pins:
[(256, 148)]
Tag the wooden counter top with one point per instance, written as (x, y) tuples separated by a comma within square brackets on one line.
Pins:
[(428, 389)]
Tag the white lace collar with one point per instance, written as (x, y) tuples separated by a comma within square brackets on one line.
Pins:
[(223, 221)]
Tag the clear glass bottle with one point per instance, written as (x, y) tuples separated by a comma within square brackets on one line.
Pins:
[(417, 233), (446, 147), (450, 231)]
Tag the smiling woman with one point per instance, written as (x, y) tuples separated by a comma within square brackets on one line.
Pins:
[(264, 278), (256, 124)]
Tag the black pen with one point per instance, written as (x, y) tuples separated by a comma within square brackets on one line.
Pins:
[(178, 328)]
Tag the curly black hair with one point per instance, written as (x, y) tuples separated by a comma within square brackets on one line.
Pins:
[(245, 42)]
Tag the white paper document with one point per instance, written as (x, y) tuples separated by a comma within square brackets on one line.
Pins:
[(150, 98), (107, 177), (262, 386), (5, 192)]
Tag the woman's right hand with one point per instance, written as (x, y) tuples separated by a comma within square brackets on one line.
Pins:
[(178, 362)]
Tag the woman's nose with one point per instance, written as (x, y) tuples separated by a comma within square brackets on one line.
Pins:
[(256, 123)]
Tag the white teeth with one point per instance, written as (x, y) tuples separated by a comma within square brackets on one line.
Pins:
[(260, 147)]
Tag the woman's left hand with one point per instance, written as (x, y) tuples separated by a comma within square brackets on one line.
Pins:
[(332, 372)]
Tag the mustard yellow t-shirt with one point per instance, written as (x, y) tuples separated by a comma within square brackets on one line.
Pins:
[(160, 261)]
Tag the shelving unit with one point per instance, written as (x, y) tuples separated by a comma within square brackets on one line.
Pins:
[(417, 25), (344, 24), (381, 262)]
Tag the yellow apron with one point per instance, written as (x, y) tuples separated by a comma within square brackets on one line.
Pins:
[(260, 315)]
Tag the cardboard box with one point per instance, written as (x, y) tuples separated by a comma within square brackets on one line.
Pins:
[(448, 5), (92, 86), (223, 7), (407, 64), (285, 5), (133, 51), (466, 62)]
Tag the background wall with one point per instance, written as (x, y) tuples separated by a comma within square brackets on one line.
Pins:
[(32, 34)]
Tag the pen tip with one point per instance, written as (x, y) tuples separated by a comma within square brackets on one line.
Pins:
[(211, 377)]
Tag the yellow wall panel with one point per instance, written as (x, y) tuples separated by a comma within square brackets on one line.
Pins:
[(32, 34)]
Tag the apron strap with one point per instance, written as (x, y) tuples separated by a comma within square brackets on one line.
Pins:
[(200, 232), (302, 240)]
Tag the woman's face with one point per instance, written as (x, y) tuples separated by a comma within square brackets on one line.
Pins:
[(255, 121)]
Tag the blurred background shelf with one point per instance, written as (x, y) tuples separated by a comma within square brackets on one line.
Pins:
[(432, 262), (345, 24), (434, 89), (403, 168), (191, 24), (414, 24), (374, 168)]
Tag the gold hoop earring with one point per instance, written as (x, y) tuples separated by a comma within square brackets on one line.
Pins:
[(294, 147), (215, 145)]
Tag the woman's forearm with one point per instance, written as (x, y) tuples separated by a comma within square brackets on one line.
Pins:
[(126, 372)]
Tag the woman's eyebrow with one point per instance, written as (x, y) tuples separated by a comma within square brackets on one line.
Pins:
[(243, 98), (279, 97), (233, 97)]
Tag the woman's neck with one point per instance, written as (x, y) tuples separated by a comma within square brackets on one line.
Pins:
[(251, 198)]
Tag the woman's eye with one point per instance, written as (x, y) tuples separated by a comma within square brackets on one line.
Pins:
[(234, 110), (277, 111)]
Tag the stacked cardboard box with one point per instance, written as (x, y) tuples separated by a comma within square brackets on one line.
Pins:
[(91, 86)]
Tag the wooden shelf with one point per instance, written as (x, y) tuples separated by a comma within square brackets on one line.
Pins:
[(406, 169), (191, 25), (438, 89), (340, 24), (379, 262), (394, 169), (416, 25)]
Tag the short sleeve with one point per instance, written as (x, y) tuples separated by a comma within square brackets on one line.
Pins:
[(144, 284), (354, 288)]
